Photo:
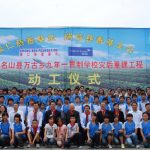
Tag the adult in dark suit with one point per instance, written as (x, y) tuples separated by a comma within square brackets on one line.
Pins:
[(71, 112), (103, 112), (53, 112)]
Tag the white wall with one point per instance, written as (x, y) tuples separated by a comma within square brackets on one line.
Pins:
[(90, 13)]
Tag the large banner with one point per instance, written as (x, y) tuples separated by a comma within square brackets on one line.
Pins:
[(67, 57)]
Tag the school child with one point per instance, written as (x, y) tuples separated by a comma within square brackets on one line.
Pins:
[(93, 132), (129, 103), (44, 97), (50, 132), (73, 134), (86, 102), (112, 102), (145, 130), (130, 131), (66, 104), (78, 105), (5, 132), (22, 107), (123, 106), (33, 134), (18, 132), (143, 102), (107, 132), (30, 106), (60, 133), (96, 104), (10, 105), (59, 105), (118, 132)]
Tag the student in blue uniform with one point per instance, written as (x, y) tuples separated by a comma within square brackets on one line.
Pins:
[(86, 102), (44, 97), (96, 104), (2, 100), (65, 107), (33, 96), (14, 95), (78, 105), (18, 132), (130, 131), (118, 131), (93, 131), (5, 132), (145, 130), (107, 132)]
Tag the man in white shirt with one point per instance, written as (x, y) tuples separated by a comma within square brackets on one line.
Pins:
[(137, 114), (35, 115), (14, 112)]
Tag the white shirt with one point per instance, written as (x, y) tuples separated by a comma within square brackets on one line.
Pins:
[(29, 109), (50, 130), (141, 106), (137, 117), (83, 119), (23, 109), (96, 107), (78, 108), (30, 118), (9, 109), (72, 129), (123, 108), (13, 113)]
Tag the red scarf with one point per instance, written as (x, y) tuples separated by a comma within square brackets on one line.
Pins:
[(35, 129), (87, 118), (116, 112), (103, 112), (71, 112), (35, 115), (72, 124), (53, 112)]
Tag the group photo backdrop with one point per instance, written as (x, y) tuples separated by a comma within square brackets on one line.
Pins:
[(67, 57)]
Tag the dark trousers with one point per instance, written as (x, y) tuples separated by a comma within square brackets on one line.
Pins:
[(95, 140), (76, 139), (19, 140), (4, 140)]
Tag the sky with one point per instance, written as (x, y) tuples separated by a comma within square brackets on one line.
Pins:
[(66, 13)]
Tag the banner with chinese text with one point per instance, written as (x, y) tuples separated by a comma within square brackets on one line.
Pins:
[(67, 57)]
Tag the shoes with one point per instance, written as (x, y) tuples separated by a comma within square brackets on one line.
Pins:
[(122, 146), (37, 145), (109, 146)]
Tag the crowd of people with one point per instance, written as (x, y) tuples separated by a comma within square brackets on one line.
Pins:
[(82, 116)]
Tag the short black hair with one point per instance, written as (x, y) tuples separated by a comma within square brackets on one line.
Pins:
[(147, 104), (129, 115), (134, 103), (17, 116), (87, 106), (5, 114)]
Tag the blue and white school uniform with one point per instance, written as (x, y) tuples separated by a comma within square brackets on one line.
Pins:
[(117, 126), (129, 127), (18, 127), (4, 128), (106, 128), (145, 126), (96, 107), (78, 107), (93, 128)]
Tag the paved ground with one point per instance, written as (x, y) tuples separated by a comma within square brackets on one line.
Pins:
[(74, 148)]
